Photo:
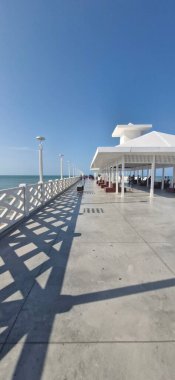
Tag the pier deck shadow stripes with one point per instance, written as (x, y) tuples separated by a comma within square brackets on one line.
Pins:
[(34, 261)]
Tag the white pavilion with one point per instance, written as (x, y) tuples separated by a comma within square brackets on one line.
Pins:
[(139, 149)]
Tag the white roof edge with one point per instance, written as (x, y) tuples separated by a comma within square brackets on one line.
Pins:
[(95, 155), (125, 149), (152, 149)]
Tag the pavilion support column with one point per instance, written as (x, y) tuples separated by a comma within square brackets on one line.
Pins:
[(163, 177), (113, 174), (123, 179), (109, 176), (134, 174), (152, 177), (116, 178), (147, 181), (155, 174), (142, 174), (173, 176), (137, 177)]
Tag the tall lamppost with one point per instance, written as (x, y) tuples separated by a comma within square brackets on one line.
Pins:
[(68, 162), (40, 139), (61, 165)]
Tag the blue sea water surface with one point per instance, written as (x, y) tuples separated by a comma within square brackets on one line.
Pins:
[(9, 181)]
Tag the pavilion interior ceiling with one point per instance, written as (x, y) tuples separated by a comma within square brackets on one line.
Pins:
[(135, 160)]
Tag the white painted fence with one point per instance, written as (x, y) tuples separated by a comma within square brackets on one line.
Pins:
[(19, 202)]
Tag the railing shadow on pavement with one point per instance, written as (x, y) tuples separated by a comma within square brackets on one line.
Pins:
[(34, 261)]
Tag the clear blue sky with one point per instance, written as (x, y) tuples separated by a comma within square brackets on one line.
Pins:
[(72, 69)]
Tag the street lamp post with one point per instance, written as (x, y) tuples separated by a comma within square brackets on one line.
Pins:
[(40, 139), (61, 165)]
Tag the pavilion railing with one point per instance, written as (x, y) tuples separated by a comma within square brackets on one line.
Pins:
[(19, 202)]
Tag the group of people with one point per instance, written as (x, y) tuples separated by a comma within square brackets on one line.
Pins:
[(167, 182), (131, 181)]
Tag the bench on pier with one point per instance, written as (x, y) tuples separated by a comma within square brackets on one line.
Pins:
[(112, 189), (99, 183), (104, 185), (170, 190)]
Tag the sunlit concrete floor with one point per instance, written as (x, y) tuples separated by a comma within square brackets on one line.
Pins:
[(88, 289)]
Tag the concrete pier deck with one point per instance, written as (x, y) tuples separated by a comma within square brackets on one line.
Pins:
[(88, 289)]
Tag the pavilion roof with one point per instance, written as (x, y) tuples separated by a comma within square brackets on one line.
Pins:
[(157, 143), (153, 139)]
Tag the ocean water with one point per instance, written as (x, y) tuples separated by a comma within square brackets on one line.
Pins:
[(9, 181)]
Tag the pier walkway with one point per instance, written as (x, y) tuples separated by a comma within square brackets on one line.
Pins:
[(88, 289)]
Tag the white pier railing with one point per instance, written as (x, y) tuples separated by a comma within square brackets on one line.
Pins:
[(19, 202)]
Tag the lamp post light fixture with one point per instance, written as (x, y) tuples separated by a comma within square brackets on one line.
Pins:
[(68, 162), (61, 165), (40, 139)]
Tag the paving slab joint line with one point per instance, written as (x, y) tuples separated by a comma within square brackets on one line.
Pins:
[(95, 342)]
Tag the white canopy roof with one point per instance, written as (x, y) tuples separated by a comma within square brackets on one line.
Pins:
[(143, 148), (120, 129), (152, 140)]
